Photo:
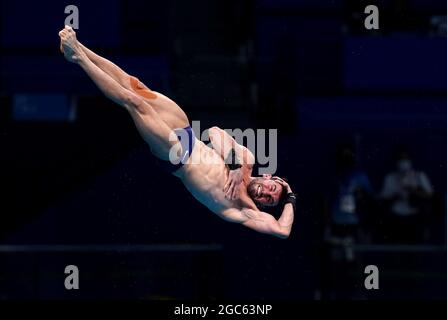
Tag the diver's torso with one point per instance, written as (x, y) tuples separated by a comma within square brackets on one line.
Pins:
[(205, 174)]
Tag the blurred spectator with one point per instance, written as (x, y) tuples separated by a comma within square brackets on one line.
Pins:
[(353, 193), (407, 193), (345, 214)]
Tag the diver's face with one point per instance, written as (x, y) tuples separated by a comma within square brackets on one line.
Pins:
[(266, 191)]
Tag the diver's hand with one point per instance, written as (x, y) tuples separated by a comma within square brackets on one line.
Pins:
[(69, 45), (233, 184), (283, 183)]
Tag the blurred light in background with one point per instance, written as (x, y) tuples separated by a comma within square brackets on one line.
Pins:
[(43, 107)]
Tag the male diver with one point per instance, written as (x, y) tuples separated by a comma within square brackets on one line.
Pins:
[(219, 176)]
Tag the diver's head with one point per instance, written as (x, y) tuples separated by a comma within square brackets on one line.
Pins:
[(266, 191)]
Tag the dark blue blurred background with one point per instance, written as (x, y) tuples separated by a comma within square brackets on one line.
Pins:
[(74, 171)]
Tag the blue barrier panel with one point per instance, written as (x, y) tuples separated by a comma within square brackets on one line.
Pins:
[(42, 107), (372, 113), (400, 62)]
